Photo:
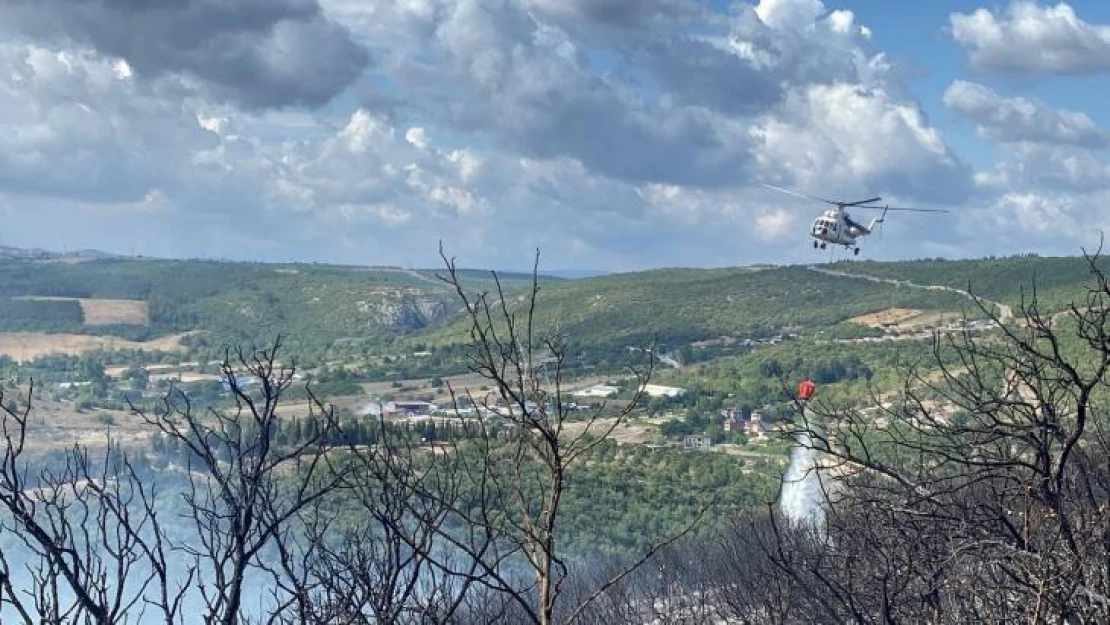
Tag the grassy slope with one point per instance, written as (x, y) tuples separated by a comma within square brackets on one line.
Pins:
[(683, 305), (316, 305), (1059, 280), (232, 300)]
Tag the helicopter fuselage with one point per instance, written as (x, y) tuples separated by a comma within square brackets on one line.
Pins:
[(834, 227)]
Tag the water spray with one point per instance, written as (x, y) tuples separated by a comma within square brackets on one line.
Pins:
[(802, 491)]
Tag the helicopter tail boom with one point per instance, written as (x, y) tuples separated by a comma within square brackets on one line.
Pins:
[(876, 221)]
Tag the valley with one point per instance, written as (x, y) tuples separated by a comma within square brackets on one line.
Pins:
[(541, 312), (707, 438), (28, 346), (369, 336)]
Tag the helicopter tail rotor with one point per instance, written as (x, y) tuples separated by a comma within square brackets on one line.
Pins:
[(878, 222)]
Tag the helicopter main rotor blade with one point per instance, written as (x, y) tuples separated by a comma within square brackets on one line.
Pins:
[(812, 197), (897, 208), (859, 203)]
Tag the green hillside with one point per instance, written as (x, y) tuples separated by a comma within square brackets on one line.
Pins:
[(1059, 280), (338, 312), (314, 305), (681, 306)]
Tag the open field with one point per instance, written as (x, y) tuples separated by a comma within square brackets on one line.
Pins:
[(99, 312), (116, 371), (470, 381), (460, 383), (632, 431), (888, 316), (103, 312), (905, 319), (26, 346), (56, 425)]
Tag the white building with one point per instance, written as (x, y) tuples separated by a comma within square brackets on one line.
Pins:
[(409, 408), (599, 390), (655, 390), (697, 442)]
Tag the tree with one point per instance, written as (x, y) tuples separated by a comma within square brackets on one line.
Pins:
[(85, 526), (505, 485), (95, 543), (138, 376), (346, 525), (243, 489), (977, 492), (92, 371)]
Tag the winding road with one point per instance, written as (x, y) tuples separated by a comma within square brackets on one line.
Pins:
[(1005, 312)]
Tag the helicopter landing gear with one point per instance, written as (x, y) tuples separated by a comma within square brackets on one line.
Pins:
[(855, 252), (822, 246), (815, 245)]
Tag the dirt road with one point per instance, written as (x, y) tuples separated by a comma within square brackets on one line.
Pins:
[(1005, 312)]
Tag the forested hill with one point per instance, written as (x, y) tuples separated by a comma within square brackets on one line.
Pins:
[(317, 306), (1058, 280), (143, 299), (683, 306)]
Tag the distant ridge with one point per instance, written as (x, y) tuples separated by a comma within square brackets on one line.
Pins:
[(572, 274), (11, 253), (325, 309), (557, 274), (8, 252)]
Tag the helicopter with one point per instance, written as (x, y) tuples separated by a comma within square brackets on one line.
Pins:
[(837, 227)]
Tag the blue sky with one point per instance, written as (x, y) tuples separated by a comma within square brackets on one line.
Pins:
[(912, 33), (915, 33), (610, 134)]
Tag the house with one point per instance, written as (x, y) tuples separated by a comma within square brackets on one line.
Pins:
[(409, 409), (756, 426), (734, 424), (598, 390), (733, 420), (697, 442), (655, 390)]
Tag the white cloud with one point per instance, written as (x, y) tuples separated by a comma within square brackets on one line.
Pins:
[(792, 14), (467, 162), (122, 69), (1053, 223), (841, 21), (796, 45), (609, 134), (73, 125), (466, 203), (1037, 214), (776, 224), (376, 214), (417, 137), (1038, 167), (1045, 199), (364, 132), (1027, 39), (848, 138), (1076, 170), (616, 12), (1013, 120), (214, 124), (258, 53)]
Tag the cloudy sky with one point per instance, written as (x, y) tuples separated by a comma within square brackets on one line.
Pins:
[(611, 134)]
